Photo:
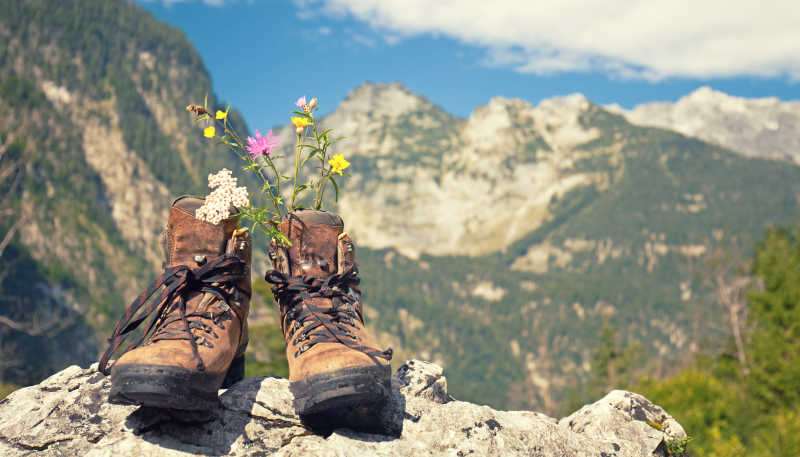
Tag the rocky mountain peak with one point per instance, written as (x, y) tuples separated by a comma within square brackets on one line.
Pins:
[(488, 125), (555, 120), (382, 100), (559, 121), (567, 104), (754, 127)]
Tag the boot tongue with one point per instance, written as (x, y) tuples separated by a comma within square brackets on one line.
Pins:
[(314, 236), (190, 239)]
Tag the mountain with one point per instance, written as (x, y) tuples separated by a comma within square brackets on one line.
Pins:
[(755, 127), (496, 246), (94, 145), (499, 244)]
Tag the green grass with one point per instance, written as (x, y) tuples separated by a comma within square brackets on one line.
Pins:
[(6, 389)]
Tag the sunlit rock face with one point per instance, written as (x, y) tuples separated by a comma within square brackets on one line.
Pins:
[(755, 127), (424, 181)]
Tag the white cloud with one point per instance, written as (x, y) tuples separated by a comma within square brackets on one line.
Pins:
[(207, 2), (649, 39)]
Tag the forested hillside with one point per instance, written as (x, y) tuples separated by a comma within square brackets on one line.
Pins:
[(743, 401)]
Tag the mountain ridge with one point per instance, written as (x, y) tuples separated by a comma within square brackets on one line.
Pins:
[(755, 127)]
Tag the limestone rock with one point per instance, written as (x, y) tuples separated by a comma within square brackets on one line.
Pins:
[(67, 414), (754, 127)]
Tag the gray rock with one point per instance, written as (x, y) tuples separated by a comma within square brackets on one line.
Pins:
[(67, 414)]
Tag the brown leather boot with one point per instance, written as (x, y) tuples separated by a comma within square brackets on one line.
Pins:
[(333, 360), (195, 340)]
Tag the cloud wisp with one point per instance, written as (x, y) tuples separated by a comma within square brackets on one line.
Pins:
[(169, 3), (647, 39)]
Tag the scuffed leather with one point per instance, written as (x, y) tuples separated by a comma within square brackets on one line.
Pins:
[(186, 238), (320, 249)]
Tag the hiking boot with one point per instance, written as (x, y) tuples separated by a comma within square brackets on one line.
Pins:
[(194, 341), (333, 360)]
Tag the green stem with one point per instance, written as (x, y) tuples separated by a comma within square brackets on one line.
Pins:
[(322, 189), (322, 176), (318, 198), (296, 169), (246, 158)]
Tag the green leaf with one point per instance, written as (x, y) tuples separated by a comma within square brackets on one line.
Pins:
[(301, 113), (335, 188), (308, 157), (205, 102), (275, 233)]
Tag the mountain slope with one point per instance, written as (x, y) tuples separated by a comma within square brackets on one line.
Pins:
[(97, 144), (757, 127), (599, 219)]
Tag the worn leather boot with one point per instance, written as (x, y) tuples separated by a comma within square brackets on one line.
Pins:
[(194, 341), (333, 360)]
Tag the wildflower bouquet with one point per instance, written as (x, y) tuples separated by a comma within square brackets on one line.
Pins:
[(311, 146)]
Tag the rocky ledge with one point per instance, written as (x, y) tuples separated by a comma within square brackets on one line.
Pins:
[(67, 414)]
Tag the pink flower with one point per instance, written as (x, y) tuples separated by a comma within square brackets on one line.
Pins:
[(261, 145), (300, 102)]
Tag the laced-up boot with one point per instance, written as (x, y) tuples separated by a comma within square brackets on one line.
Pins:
[(333, 361), (194, 341)]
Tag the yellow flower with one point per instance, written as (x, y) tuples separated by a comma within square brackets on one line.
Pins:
[(300, 121), (209, 131), (338, 163), (223, 114)]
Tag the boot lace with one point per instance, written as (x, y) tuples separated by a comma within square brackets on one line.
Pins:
[(304, 322), (215, 278)]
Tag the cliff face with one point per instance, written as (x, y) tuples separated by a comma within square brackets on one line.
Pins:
[(755, 127), (67, 415)]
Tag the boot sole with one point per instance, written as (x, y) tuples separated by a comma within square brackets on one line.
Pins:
[(170, 387), (343, 389)]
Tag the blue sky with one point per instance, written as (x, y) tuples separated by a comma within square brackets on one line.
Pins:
[(263, 54)]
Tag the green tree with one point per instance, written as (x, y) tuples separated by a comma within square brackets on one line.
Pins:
[(775, 313), (729, 410), (613, 364)]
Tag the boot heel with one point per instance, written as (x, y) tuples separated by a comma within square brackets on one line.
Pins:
[(235, 372)]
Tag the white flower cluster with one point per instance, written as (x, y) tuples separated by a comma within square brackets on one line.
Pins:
[(219, 202)]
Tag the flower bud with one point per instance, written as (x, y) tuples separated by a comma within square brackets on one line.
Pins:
[(299, 130), (306, 108), (313, 103)]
